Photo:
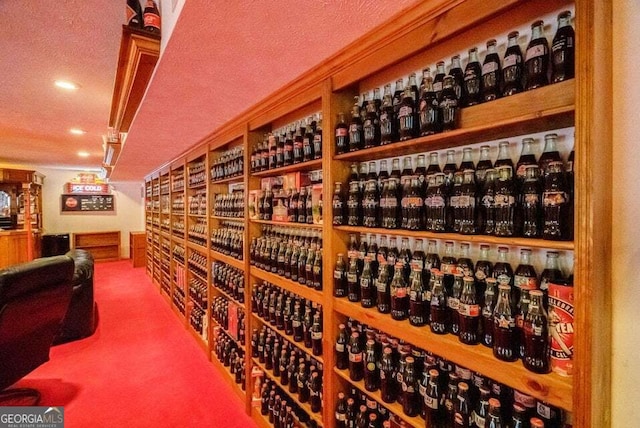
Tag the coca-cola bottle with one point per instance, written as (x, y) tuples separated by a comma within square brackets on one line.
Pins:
[(525, 277), (449, 104), (371, 368), (340, 277), (353, 280), (556, 206), (133, 14), (399, 294), (371, 126), (551, 272), (536, 64), (563, 50), (481, 412), (434, 412), (504, 326), (504, 205), (356, 133), (494, 418), (429, 114), (300, 141), (413, 205), (462, 407), (367, 285), (438, 315), (342, 351), (527, 157), (512, 66), (469, 313), (388, 369), (407, 116), (151, 17), (419, 299), (342, 135), (438, 80), (371, 201), (338, 205), (356, 358), (453, 302), (472, 88), (465, 210), (491, 73), (409, 384), (484, 164), (388, 122), (354, 204), (483, 270), (549, 154), (536, 335), (383, 290), (530, 202), (436, 204), (456, 72), (502, 270)]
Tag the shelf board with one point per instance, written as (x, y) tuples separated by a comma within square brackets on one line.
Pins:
[(551, 388), (395, 408), (546, 108), (287, 284), (217, 217), (198, 186), (289, 224), (259, 418), (216, 323), (197, 215), (191, 272), (304, 406), (238, 264), (228, 377), (289, 338), (196, 247), (484, 239), (228, 296), (302, 166), (238, 178)]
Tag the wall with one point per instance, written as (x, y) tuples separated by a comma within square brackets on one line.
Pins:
[(626, 206), (169, 11), (128, 216)]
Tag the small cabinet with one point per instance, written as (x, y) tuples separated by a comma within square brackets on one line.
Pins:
[(102, 245), (137, 248)]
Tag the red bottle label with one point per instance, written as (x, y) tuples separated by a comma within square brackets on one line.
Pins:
[(561, 328)]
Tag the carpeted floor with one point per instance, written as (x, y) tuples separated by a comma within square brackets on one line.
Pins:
[(140, 369)]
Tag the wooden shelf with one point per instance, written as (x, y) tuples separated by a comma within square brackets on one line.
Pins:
[(197, 215), (302, 166), (228, 296), (103, 246), (217, 324), (304, 406), (196, 247), (237, 178), (289, 338), (287, 284), (395, 408), (288, 224), (480, 239), (259, 418), (238, 219), (238, 264), (198, 186), (546, 108), (228, 377), (550, 388)]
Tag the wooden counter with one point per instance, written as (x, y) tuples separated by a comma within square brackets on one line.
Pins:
[(14, 247)]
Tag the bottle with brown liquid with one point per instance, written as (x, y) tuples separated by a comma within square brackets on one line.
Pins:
[(371, 126), (439, 315), (356, 358), (556, 206), (151, 17), (491, 73), (419, 299), (504, 203), (356, 133), (504, 327), (342, 350), (133, 14), (536, 64), (563, 50), (342, 135), (429, 115), (399, 294), (388, 121), (388, 369), (371, 369), (449, 104), (409, 384), (536, 335), (512, 66), (469, 313), (407, 116), (367, 285), (472, 88), (530, 202)]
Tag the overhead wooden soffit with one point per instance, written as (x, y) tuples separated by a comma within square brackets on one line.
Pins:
[(139, 52)]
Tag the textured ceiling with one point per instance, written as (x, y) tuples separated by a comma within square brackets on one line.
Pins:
[(222, 58)]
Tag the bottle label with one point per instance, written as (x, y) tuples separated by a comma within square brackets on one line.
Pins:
[(480, 275), (152, 20), (503, 278), (561, 330), (504, 321), (340, 347), (501, 200), (489, 67), (355, 358), (448, 268), (525, 282), (341, 132), (536, 51), (511, 60), (381, 286), (466, 201), (479, 420), (371, 367), (464, 374), (437, 86), (453, 303), (544, 410), (399, 292), (352, 277), (296, 324), (552, 199), (316, 335), (526, 400), (431, 402), (341, 417), (469, 310)]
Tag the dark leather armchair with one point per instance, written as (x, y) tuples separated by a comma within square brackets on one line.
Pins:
[(34, 298)]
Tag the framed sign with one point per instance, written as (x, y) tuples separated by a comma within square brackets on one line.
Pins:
[(87, 203)]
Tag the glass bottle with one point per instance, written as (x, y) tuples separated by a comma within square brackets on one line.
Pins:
[(469, 313), (551, 272), (434, 165), (429, 114), (438, 305), (431, 260), (340, 277), (434, 414), (556, 206), (367, 286), (410, 397), (438, 80), (502, 271), (458, 79), (504, 205), (563, 50), (356, 358), (480, 414), (549, 154), (342, 351), (388, 387), (453, 301), (462, 408), (449, 104), (525, 276), (504, 331), (316, 335), (356, 133), (436, 207), (388, 128), (530, 202), (472, 88), (354, 204), (353, 280), (536, 335), (494, 419), (449, 266), (342, 135), (371, 126), (407, 117), (413, 206), (397, 99), (491, 73), (383, 290), (317, 137), (419, 299), (484, 164), (512, 66), (449, 400), (536, 64), (399, 294), (465, 210), (488, 306)]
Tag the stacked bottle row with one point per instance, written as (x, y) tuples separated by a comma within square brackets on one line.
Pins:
[(178, 299), (280, 412), (358, 410), (299, 372), (229, 204), (411, 112), (295, 206), (531, 199), (177, 182), (165, 224), (197, 173), (197, 232), (155, 189), (483, 303), (165, 204), (197, 320), (177, 226), (177, 205), (290, 253), (178, 254), (229, 239), (222, 312), (164, 186), (198, 203), (228, 279), (198, 292), (198, 264), (289, 313), (228, 164), (292, 144), (446, 395), (227, 351)]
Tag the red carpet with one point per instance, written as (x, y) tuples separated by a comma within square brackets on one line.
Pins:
[(140, 369)]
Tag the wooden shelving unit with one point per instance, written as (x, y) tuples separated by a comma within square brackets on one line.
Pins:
[(102, 245), (420, 36)]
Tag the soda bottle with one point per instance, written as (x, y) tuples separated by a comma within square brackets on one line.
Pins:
[(356, 358), (472, 88), (458, 79), (491, 74), (433, 410), (410, 397), (356, 133), (342, 135), (388, 387), (549, 154), (397, 99), (407, 116), (438, 80), (342, 350), (563, 50), (133, 14), (449, 266), (450, 399), (338, 204), (399, 294), (453, 302), (530, 201), (371, 126), (551, 272), (371, 370), (555, 203), (431, 260), (536, 335), (429, 114), (480, 414), (439, 316), (536, 64), (449, 104), (413, 206), (462, 407), (354, 204), (502, 270), (383, 291), (469, 313), (388, 128), (484, 164), (512, 66), (419, 299), (494, 419), (302, 143), (353, 280), (340, 278), (151, 17), (504, 332), (367, 286), (371, 202), (527, 157), (317, 137), (504, 202), (483, 270), (465, 209)]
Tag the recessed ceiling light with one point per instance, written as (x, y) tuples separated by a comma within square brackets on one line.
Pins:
[(65, 84), (83, 154), (77, 131)]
